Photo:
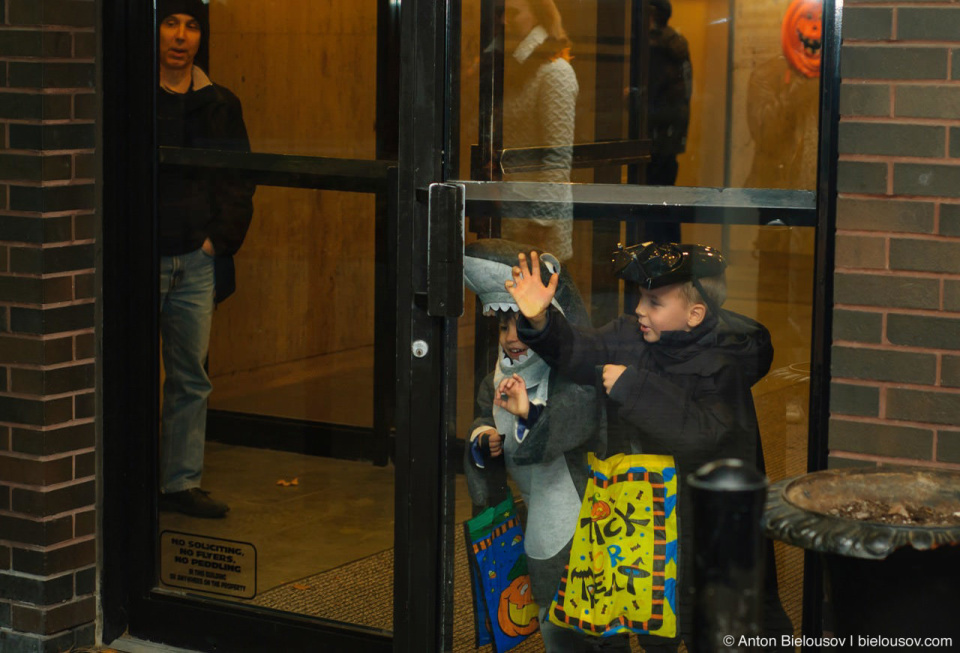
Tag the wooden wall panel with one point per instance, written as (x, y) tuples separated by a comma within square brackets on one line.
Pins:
[(305, 72), (304, 281)]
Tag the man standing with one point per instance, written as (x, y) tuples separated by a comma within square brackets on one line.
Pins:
[(202, 220)]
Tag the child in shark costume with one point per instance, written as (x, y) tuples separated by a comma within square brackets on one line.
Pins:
[(544, 453)]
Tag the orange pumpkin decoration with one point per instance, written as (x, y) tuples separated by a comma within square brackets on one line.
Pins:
[(801, 36), (517, 613)]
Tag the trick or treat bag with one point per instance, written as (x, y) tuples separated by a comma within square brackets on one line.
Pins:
[(502, 597), (622, 574)]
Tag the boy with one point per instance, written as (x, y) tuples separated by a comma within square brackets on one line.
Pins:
[(540, 424), (679, 371)]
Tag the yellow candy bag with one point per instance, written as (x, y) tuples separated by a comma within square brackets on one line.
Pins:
[(622, 574)]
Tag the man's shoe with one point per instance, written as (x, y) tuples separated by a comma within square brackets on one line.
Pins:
[(194, 502)]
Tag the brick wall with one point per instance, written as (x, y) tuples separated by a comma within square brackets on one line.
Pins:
[(48, 195), (895, 393)]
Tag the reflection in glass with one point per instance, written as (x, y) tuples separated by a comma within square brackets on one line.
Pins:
[(749, 104), (296, 341), (782, 104), (670, 84), (539, 111), (774, 126), (769, 278)]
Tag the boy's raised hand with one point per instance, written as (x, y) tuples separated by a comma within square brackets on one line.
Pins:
[(528, 291)]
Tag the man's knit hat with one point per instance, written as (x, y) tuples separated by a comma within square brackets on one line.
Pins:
[(196, 8)]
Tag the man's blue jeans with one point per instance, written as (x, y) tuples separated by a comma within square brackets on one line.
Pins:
[(186, 313)]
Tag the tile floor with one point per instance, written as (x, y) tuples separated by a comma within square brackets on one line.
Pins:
[(338, 512)]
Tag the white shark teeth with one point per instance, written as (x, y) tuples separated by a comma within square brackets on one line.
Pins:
[(509, 362), (491, 308)]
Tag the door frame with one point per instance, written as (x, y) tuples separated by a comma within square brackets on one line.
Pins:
[(423, 581)]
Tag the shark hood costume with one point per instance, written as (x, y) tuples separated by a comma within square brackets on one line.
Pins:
[(547, 457), (487, 265)]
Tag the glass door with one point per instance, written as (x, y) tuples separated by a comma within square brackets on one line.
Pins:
[(574, 127), (259, 310), (291, 447)]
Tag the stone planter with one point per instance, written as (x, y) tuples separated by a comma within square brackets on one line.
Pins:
[(882, 580)]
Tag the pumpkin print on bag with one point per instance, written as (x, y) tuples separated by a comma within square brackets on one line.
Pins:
[(518, 613)]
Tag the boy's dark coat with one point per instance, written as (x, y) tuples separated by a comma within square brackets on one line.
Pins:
[(687, 396)]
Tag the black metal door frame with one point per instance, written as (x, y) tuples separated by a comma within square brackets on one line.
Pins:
[(424, 530)]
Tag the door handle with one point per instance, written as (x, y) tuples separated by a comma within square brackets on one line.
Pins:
[(445, 243)]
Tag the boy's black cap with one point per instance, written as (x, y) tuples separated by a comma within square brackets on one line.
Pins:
[(654, 265)]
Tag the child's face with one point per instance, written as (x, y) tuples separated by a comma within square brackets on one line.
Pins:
[(508, 337), (665, 309)]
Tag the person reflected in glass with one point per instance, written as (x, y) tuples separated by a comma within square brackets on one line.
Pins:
[(202, 220), (539, 109), (668, 109), (671, 86)]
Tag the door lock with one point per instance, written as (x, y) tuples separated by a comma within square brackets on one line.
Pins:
[(420, 348)]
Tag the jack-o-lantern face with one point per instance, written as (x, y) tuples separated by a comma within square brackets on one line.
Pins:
[(599, 510), (517, 614), (801, 36)]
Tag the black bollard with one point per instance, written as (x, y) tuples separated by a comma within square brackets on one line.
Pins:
[(728, 498)]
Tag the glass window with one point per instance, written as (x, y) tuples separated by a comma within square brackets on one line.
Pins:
[(647, 108), (277, 491), (297, 66), (723, 95), (580, 108)]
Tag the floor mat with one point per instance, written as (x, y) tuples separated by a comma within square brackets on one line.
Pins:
[(361, 593)]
